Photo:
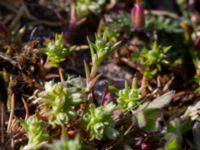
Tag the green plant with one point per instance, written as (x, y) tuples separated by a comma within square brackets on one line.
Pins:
[(104, 45), (129, 97), (56, 50), (36, 133), (152, 59), (85, 7), (58, 101), (99, 121)]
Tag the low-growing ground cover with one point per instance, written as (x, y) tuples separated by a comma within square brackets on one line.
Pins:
[(97, 74)]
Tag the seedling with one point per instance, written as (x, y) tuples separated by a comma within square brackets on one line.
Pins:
[(100, 123), (103, 46), (153, 59), (56, 50), (130, 97)]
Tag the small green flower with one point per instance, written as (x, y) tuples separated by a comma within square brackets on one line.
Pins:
[(56, 50), (100, 123), (36, 133), (129, 97), (58, 102)]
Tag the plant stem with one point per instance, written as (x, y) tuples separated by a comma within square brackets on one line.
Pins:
[(60, 70)]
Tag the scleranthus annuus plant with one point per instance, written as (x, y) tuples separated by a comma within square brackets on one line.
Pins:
[(103, 46), (130, 97), (56, 50), (154, 57), (36, 133), (58, 102), (100, 123)]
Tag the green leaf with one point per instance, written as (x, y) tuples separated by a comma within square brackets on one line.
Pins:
[(161, 101)]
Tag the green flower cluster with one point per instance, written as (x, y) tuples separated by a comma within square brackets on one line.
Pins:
[(56, 50), (129, 97), (58, 101), (99, 121)]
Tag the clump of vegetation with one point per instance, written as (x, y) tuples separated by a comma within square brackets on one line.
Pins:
[(100, 123), (114, 90), (130, 97), (104, 45), (56, 50), (152, 59), (58, 101)]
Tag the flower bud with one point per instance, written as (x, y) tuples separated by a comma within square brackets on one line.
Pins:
[(137, 16)]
